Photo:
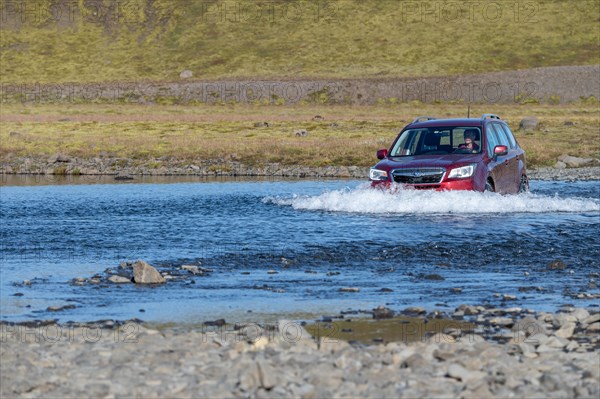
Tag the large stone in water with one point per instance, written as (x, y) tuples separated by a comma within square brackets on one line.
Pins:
[(143, 273)]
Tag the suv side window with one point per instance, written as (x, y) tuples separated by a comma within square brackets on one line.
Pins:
[(511, 138), (492, 140), (503, 139)]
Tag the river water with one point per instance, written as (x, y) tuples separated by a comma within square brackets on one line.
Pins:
[(404, 248)]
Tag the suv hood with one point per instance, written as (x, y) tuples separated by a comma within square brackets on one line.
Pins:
[(427, 161)]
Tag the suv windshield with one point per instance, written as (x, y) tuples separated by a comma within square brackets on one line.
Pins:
[(438, 140)]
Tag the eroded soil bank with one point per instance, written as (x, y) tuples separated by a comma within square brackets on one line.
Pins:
[(558, 84)]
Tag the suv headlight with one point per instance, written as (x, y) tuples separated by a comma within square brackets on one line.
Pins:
[(378, 175), (462, 173)]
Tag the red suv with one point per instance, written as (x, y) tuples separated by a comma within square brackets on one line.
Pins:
[(454, 154)]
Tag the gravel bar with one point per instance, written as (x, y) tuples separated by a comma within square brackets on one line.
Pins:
[(529, 354)]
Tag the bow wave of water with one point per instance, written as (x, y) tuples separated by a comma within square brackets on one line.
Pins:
[(364, 199)]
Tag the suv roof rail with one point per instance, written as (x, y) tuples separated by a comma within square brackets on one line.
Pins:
[(490, 116), (423, 118)]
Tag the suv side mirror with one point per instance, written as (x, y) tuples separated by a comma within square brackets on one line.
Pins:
[(381, 154), (500, 150)]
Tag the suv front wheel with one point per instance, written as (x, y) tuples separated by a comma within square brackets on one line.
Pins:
[(524, 185)]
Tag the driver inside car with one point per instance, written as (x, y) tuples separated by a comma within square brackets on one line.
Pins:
[(470, 143)]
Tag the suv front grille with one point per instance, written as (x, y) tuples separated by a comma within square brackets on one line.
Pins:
[(418, 175)]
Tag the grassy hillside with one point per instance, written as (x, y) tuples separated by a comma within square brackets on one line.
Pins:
[(102, 40)]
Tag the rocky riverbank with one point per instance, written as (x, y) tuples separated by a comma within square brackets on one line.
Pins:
[(563, 174), (129, 169), (508, 353)]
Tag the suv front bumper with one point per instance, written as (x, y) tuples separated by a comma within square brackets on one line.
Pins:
[(449, 185)]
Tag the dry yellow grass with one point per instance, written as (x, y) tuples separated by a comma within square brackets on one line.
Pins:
[(347, 135)]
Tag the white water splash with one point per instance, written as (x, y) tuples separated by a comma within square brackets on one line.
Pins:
[(364, 199)]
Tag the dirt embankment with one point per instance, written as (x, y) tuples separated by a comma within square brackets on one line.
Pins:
[(561, 84)]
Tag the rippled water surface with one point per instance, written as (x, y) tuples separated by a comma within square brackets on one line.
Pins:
[(319, 236)]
